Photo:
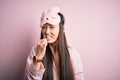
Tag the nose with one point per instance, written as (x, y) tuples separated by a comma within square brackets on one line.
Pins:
[(47, 30)]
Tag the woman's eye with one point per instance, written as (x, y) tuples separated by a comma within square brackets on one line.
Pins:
[(43, 27), (52, 27)]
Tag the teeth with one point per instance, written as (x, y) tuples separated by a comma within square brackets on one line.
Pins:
[(47, 36)]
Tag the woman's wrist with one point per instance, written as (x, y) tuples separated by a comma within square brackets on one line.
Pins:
[(38, 63), (39, 56), (36, 59)]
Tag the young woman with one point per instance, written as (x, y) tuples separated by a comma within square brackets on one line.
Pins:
[(52, 58)]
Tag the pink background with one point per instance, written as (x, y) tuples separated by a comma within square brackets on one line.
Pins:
[(92, 27)]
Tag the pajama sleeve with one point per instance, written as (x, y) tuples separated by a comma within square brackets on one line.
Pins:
[(30, 72)]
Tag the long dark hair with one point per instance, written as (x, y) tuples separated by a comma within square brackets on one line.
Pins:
[(66, 71)]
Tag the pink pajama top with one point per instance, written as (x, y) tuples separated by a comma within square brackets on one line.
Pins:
[(32, 74)]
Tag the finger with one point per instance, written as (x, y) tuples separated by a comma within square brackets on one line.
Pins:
[(45, 42), (42, 42)]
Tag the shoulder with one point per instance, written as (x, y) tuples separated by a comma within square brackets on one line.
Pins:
[(74, 53), (76, 59)]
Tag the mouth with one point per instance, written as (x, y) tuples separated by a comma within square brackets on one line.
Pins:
[(48, 37)]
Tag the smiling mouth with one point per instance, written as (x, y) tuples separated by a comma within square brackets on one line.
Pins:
[(47, 37)]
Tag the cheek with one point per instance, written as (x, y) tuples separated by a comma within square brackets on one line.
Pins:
[(57, 33), (43, 32)]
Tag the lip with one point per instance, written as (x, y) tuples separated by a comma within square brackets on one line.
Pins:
[(48, 37)]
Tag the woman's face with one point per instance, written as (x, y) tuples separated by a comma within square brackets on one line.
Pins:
[(50, 32)]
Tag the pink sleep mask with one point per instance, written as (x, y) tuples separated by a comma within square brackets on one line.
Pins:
[(50, 16)]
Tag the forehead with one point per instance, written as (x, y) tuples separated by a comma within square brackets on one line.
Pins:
[(50, 25)]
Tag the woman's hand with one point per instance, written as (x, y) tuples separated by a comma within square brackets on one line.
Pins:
[(41, 48)]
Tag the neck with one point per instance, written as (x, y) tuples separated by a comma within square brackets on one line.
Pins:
[(54, 50), (53, 46)]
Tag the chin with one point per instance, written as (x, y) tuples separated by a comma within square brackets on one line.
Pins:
[(50, 42)]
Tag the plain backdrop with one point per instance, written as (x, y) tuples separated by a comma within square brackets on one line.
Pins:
[(92, 27)]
